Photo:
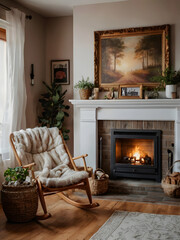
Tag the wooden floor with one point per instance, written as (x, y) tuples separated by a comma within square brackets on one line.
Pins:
[(68, 222)]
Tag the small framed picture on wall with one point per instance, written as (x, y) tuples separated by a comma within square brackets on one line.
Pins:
[(60, 71)]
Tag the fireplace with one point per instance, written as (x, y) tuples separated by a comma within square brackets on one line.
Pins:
[(94, 119), (136, 154)]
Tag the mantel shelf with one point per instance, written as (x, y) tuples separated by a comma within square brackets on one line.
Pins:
[(127, 103)]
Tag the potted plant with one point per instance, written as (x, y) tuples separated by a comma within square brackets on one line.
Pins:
[(19, 195), (54, 109), (169, 78), (85, 88)]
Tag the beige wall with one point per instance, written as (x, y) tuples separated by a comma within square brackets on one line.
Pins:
[(59, 46), (34, 54), (107, 16)]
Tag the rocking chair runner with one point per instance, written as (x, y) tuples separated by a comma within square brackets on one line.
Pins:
[(44, 151)]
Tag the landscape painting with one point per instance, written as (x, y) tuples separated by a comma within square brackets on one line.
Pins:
[(131, 58)]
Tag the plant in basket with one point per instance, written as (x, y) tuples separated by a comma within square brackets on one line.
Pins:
[(85, 88), (19, 195), (16, 176)]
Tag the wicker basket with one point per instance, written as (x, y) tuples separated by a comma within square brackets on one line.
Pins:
[(19, 203), (98, 186), (85, 93), (171, 183)]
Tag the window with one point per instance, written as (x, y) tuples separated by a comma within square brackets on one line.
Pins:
[(2, 76)]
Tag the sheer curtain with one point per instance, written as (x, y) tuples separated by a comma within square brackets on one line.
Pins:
[(15, 91)]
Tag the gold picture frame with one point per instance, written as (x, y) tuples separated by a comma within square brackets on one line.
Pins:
[(130, 56), (130, 92)]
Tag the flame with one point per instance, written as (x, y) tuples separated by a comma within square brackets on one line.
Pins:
[(137, 153)]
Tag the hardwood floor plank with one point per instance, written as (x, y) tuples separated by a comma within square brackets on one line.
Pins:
[(71, 223)]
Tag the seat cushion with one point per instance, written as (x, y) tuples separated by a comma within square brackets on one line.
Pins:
[(68, 177)]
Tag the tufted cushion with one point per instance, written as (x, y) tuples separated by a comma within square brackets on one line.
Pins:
[(44, 146)]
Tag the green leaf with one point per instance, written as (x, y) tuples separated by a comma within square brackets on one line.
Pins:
[(59, 124), (60, 116), (55, 98)]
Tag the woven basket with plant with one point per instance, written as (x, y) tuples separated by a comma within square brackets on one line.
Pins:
[(85, 88), (19, 195)]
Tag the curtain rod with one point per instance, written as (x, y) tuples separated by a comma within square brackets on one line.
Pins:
[(5, 7), (9, 9)]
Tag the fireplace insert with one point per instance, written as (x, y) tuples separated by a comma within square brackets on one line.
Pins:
[(136, 154)]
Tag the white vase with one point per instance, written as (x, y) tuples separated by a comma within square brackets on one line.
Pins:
[(169, 90)]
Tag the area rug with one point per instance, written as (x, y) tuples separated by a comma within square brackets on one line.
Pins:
[(139, 226)]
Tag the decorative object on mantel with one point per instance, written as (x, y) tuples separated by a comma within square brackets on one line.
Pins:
[(130, 56), (171, 183), (96, 93), (169, 78), (130, 91), (151, 94), (99, 182), (110, 94), (85, 88), (19, 195)]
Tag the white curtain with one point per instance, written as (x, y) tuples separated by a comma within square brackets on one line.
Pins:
[(15, 91)]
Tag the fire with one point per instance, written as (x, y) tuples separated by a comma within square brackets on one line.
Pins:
[(136, 153)]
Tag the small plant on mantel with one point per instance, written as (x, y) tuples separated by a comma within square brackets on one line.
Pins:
[(169, 79), (85, 88)]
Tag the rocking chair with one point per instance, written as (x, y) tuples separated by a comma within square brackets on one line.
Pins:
[(44, 151)]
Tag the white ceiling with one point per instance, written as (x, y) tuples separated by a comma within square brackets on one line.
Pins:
[(57, 8)]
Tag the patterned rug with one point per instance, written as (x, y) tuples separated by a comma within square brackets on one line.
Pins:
[(139, 226)]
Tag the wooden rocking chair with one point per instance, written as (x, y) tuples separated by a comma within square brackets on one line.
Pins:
[(17, 139)]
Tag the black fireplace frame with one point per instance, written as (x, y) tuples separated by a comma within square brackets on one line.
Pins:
[(119, 170)]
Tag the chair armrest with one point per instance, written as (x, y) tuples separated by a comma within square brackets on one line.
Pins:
[(83, 158), (30, 166)]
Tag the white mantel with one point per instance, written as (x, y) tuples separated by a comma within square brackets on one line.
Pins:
[(88, 112)]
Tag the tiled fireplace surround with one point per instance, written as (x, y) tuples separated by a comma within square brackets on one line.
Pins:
[(95, 118)]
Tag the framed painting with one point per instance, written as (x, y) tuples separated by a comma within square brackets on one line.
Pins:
[(60, 71), (130, 56), (130, 91)]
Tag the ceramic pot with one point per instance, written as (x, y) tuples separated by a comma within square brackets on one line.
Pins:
[(169, 90)]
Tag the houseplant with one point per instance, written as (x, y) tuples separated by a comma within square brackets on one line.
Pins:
[(85, 88), (19, 195), (53, 108), (169, 78)]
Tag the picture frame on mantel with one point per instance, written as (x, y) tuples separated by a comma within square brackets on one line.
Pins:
[(130, 92), (60, 71), (130, 56)]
